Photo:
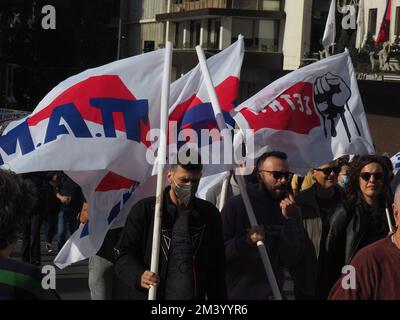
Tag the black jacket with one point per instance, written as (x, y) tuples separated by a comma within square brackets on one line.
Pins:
[(134, 248), (305, 274), (359, 232), (246, 277)]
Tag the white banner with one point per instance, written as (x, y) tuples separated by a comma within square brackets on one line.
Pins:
[(314, 114)]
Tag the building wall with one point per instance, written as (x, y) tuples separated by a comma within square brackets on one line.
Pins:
[(142, 26), (297, 32)]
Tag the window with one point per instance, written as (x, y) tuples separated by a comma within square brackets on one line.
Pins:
[(259, 35), (148, 46), (397, 23), (214, 26), (372, 20), (179, 27), (195, 27)]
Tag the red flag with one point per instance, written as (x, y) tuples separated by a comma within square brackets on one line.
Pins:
[(385, 26)]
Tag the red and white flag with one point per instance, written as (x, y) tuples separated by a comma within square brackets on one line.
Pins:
[(384, 30), (314, 114), (94, 127)]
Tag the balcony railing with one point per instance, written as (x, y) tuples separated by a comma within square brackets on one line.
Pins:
[(189, 5)]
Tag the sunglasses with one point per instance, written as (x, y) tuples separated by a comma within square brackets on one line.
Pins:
[(328, 171), (278, 174), (367, 175)]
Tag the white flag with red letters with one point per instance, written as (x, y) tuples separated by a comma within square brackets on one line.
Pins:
[(314, 114)]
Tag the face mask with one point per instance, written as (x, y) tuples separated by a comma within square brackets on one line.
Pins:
[(345, 181), (185, 193)]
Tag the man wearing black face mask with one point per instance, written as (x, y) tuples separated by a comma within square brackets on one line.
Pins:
[(279, 227), (192, 258)]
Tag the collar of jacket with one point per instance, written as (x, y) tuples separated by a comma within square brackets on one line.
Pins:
[(171, 208)]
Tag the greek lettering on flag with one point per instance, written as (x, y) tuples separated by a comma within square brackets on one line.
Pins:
[(94, 127)]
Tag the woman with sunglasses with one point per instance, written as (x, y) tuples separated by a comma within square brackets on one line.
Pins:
[(325, 221), (367, 200)]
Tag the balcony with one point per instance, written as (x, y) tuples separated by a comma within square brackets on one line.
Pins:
[(262, 5)]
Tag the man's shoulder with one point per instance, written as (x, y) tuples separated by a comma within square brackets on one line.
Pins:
[(374, 252), (142, 207), (17, 267), (234, 202), (206, 206), (306, 196)]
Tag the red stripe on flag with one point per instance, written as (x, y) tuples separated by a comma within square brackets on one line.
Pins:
[(107, 86), (113, 181)]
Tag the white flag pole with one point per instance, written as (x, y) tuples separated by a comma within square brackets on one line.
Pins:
[(210, 89), (388, 220), (249, 209), (224, 191), (162, 153), (260, 244)]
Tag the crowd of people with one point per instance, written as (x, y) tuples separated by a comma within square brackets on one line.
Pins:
[(342, 213)]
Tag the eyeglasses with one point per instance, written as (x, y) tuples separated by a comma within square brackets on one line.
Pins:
[(367, 175), (278, 174), (328, 171)]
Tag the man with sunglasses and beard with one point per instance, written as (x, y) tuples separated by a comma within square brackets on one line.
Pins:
[(279, 227), (324, 220)]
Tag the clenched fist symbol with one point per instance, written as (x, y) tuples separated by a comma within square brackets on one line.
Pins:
[(331, 95)]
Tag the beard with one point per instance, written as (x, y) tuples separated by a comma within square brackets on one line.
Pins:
[(277, 192)]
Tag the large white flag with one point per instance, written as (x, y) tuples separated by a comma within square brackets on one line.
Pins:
[(191, 107), (330, 27), (314, 114), (110, 195), (93, 126)]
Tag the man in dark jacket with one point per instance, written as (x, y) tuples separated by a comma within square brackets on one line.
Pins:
[(192, 259), (279, 226)]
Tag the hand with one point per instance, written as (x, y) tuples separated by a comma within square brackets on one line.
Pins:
[(331, 93), (256, 234), (67, 200), (289, 207), (149, 279)]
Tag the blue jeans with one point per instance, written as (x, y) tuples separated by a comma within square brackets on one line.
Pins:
[(67, 221)]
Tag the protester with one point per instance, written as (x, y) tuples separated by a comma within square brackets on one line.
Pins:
[(343, 177), (52, 210), (17, 280), (31, 236), (376, 268), (300, 183), (366, 202), (192, 260), (101, 266), (70, 195), (325, 221), (279, 226)]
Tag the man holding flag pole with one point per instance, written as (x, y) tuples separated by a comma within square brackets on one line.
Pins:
[(190, 228)]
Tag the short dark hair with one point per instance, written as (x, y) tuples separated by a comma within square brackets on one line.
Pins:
[(194, 164), (275, 154), (17, 198)]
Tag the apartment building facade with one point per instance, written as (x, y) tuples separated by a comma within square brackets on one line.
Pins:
[(274, 33), (278, 34)]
